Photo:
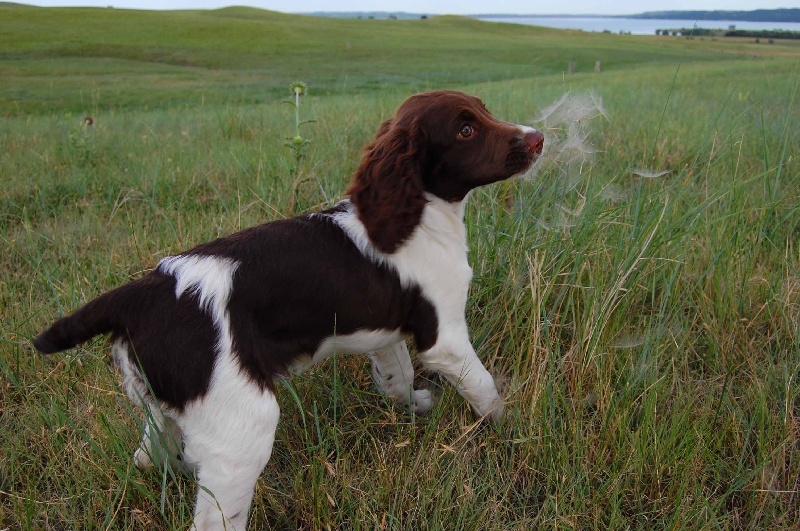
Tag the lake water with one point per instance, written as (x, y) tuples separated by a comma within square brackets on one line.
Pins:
[(638, 26)]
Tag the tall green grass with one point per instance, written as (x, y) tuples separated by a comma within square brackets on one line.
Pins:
[(644, 330)]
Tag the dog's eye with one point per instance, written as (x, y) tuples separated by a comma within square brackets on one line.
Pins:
[(466, 131)]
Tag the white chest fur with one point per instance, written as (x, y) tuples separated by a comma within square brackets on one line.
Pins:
[(434, 258)]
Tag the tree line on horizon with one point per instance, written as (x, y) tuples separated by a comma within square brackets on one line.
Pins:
[(731, 32)]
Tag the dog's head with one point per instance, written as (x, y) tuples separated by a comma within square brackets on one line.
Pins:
[(444, 143)]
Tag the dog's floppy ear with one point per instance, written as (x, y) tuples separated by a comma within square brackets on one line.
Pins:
[(387, 190)]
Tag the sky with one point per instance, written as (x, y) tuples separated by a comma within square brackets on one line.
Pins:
[(433, 7)]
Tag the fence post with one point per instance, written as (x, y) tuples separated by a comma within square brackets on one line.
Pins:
[(597, 67), (571, 69)]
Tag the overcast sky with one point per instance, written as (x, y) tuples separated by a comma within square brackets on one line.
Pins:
[(618, 7)]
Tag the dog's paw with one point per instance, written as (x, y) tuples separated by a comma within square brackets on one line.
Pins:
[(421, 401), (497, 411), (144, 462), (142, 459)]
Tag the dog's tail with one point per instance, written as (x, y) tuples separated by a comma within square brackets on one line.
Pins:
[(99, 316)]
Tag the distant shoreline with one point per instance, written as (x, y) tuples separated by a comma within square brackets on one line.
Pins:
[(758, 15)]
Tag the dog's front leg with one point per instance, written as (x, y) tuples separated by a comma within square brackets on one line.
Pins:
[(394, 374), (453, 356)]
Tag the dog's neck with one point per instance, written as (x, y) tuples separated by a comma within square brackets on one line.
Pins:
[(445, 217)]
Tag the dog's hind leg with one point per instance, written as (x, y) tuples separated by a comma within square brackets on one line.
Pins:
[(228, 437), (394, 375), (161, 439)]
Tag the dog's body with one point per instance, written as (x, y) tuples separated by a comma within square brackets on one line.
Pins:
[(201, 338)]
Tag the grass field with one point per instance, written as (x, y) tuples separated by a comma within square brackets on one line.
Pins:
[(646, 329)]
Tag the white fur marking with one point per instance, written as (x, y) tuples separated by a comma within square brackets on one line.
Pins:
[(132, 380), (211, 279), (348, 221)]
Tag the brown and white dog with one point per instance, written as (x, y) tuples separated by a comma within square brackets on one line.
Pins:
[(201, 339)]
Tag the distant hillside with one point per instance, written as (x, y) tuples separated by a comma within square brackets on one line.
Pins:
[(129, 58), (758, 15), (366, 14)]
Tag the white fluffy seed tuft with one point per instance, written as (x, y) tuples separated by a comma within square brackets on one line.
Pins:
[(568, 155)]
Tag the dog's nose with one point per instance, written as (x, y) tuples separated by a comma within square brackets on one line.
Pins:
[(535, 141)]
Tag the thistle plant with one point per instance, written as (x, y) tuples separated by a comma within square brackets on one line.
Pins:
[(82, 143), (297, 143)]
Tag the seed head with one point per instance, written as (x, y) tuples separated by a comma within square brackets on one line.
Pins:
[(298, 88)]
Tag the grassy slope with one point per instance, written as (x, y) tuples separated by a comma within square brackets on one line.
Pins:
[(72, 58), (649, 344)]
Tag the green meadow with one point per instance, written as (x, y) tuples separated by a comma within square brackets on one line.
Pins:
[(645, 328)]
